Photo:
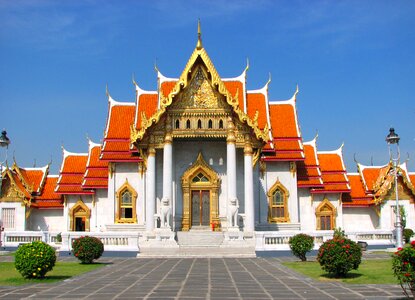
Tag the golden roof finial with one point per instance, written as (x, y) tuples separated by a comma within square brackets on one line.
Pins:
[(199, 36)]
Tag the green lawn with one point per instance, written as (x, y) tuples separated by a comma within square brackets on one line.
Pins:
[(376, 271), (61, 271)]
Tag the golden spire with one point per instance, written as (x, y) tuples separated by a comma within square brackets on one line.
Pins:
[(199, 36)]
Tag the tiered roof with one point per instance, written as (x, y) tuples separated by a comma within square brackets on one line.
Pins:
[(96, 174), (116, 146), (71, 174), (34, 186), (308, 171), (333, 172), (372, 183)]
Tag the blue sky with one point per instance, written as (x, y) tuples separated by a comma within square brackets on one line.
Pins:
[(354, 62)]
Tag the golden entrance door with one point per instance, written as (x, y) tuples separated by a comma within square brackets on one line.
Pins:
[(200, 208)]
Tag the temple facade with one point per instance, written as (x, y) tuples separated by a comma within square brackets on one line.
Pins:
[(204, 156)]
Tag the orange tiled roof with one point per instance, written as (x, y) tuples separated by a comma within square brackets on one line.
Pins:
[(49, 198), (117, 132), (72, 173), (236, 87), (257, 102), (308, 171), (167, 86), (333, 173), (285, 131), (96, 174), (34, 177), (358, 195), (147, 104)]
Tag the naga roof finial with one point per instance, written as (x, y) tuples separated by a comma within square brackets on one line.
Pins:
[(199, 36)]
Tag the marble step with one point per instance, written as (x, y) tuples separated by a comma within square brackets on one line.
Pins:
[(199, 238), (191, 252)]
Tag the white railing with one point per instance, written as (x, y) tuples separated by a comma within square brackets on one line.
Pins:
[(278, 240), (113, 241)]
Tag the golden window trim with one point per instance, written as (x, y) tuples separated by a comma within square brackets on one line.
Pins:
[(126, 187), (80, 209), (286, 194), (321, 211)]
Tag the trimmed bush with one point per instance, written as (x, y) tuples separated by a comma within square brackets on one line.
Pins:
[(300, 244), (407, 234), (403, 266), (338, 256), (87, 248), (34, 260)]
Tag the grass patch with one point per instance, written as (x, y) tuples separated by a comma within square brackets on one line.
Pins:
[(377, 271), (62, 270)]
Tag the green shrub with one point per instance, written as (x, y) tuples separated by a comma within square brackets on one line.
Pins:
[(87, 248), (300, 244), (338, 256), (403, 266), (59, 238), (407, 234), (34, 260), (338, 233)]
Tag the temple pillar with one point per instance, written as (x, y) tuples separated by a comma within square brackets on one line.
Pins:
[(166, 201), (151, 189), (232, 205), (249, 186)]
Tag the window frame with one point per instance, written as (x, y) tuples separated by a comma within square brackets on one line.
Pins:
[(126, 187), (322, 212), (278, 187)]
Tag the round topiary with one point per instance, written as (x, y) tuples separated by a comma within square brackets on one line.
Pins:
[(87, 248), (339, 255), (300, 244), (34, 260)]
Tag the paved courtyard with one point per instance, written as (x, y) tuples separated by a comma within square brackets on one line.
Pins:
[(197, 278)]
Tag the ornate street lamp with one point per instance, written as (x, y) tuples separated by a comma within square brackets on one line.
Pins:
[(393, 142), (4, 143)]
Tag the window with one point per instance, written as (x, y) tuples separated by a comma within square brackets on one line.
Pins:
[(325, 215), (221, 124), (278, 204), (126, 204), (8, 217), (188, 124), (210, 124), (200, 178), (199, 124), (177, 124)]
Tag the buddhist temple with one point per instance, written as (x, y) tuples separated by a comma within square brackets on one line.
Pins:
[(202, 161)]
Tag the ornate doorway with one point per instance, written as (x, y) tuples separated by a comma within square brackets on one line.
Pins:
[(200, 196), (200, 208)]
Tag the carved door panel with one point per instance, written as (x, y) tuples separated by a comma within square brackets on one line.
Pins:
[(200, 208)]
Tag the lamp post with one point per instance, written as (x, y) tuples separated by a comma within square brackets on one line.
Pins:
[(4, 142), (393, 142)]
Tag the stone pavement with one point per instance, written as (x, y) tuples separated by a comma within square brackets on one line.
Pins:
[(197, 278)]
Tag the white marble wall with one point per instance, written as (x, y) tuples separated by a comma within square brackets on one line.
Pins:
[(360, 219), (279, 171), (20, 214), (46, 220), (387, 219)]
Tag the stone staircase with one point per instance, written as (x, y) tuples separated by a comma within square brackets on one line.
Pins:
[(201, 243), (199, 238)]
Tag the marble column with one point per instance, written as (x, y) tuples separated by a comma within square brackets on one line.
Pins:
[(232, 205), (167, 175), (151, 189), (249, 186)]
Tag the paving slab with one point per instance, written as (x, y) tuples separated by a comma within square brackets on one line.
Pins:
[(197, 278)]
